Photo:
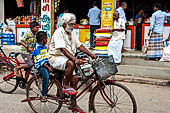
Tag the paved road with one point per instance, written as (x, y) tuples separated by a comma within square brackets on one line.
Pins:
[(150, 99)]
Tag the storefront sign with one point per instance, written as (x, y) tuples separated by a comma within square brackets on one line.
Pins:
[(20, 3), (107, 14), (46, 16)]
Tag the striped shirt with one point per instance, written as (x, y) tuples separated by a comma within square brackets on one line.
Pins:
[(40, 54)]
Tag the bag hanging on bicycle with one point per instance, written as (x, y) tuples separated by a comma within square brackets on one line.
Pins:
[(105, 67)]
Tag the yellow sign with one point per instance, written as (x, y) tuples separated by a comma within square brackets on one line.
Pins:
[(84, 35), (107, 14)]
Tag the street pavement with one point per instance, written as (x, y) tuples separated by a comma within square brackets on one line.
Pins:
[(150, 99)]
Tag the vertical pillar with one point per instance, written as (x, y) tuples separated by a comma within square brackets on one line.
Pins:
[(2, 11), (52, 17), (107, 14), (46, 16)]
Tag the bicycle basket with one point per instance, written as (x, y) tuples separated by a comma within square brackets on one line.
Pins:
[(105, 67)]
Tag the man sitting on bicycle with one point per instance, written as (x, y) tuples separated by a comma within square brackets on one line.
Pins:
[(62, 52), (28, 42)]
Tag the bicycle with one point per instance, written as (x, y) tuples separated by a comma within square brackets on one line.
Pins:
[(107, 96), (8, 81)]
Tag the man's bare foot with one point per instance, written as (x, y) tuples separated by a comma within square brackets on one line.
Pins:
[(123, 50)]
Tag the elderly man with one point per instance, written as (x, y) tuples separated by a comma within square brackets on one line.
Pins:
[(62, 53), (116, 42)]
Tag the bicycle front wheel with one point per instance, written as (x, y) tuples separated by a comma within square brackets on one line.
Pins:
[(116, 99), (34, 97), (8, 85)]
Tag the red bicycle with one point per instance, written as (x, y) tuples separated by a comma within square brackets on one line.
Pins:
[(8, 81), (107, 96)]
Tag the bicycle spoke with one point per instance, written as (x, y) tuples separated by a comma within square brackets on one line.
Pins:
[(52, 102), (118, 95), (120, 109)]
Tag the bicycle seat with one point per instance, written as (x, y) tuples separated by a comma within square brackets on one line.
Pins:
[(14, 54)]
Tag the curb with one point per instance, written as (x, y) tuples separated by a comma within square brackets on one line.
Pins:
[(142, 80)]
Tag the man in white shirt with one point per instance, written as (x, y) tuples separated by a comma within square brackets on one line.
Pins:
[(62, 53), (116, 42), (94, 15)]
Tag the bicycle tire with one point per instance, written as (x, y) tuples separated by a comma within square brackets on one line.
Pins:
[(30, 89), (10, 85), (94, 98)]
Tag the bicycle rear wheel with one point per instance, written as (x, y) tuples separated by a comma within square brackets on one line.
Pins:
[(120, 98), (9, 85), (33, 93)]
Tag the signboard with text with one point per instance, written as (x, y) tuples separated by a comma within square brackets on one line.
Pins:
[(107, 14), (46, 16)]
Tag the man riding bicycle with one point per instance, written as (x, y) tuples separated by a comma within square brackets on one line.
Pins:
[(28, 42), (62, 54)]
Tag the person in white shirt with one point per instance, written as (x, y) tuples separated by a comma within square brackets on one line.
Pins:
[(116, 42), (62, 54)]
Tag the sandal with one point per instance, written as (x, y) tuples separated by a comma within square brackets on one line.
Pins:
[(70, 91), (44, 99), (77, 109)]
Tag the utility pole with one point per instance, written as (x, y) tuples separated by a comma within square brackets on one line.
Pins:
[(52, 17)]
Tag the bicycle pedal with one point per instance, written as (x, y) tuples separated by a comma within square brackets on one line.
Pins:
[(66, 95), (22, 85)]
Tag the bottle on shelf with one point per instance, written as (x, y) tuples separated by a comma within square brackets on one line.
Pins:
[(26, 18), (23, 19), (32, 18), (29, 19), (19, 20), (37, 19)]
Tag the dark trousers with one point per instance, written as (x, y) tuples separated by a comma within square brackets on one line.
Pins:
[(45, 73), (139, 36), (92, 29)]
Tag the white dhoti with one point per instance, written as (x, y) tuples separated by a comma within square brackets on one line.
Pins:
[(58, 62), (115, 48)]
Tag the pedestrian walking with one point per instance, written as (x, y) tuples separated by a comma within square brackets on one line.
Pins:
[(155, 47), (94, 15)]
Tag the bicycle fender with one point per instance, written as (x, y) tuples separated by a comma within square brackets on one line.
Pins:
[(92, 92)]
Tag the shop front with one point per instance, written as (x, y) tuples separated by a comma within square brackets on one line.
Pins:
[(134, 6), (81, 9)]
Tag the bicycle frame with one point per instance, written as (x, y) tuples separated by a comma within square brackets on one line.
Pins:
[(99, 81), (11, 60)]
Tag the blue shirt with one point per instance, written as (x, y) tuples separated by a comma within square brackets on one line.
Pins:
[(59, 19), (94, 15), (122, 13), (157, 21), (40, 54)]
